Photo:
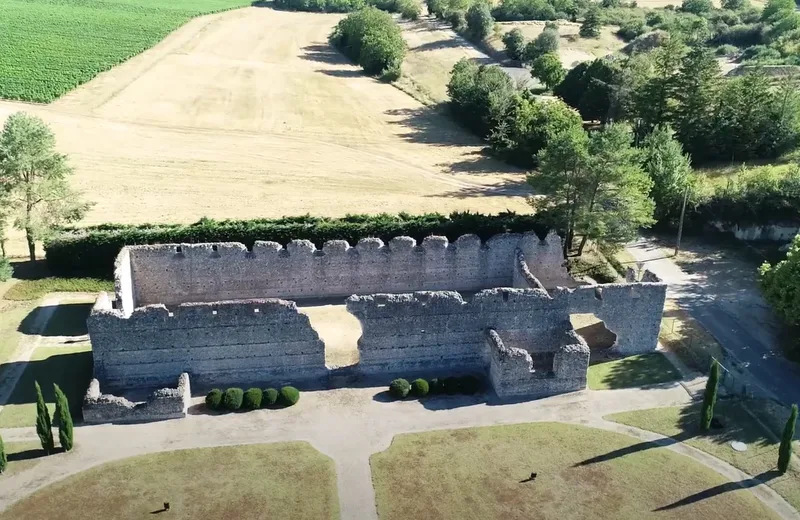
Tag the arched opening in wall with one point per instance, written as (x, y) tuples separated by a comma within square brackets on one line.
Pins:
[(595, 333), (337, 328)]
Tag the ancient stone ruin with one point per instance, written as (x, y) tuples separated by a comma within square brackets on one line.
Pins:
[(226, 315)]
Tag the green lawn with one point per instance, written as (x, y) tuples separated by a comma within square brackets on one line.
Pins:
[(70, 367), (262, 481), (760, 457), (11, 315), (582, 473), (34, 289), (49, 47), (632, 371)]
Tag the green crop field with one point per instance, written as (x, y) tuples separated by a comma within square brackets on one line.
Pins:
[(49, 47)]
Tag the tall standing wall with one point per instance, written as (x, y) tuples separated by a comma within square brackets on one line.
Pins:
[(178, 273), (219, 343)]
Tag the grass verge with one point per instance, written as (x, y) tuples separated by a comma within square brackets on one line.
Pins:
[(70, 367), (26, 290), (22, 456), (582, 473), (683, 335), (761, 457), (283, 480), (632, 371)]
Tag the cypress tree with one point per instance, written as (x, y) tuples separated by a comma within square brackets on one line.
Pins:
[(785, 451), (710, 397), (64, 419), (3, 458), (43, 427)]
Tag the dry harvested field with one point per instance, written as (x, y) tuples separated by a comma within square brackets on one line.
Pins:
[(250, 113)]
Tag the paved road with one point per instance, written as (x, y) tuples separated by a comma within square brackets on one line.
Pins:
[(724, 298)]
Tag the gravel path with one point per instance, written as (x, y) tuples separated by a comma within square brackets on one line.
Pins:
[(349, 425)]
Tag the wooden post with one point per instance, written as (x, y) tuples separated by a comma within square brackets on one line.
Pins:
[(680, 225)]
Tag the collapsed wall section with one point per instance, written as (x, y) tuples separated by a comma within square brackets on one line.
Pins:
[(250, 341), (179, 273), (513, 371), (165, 403), (427, 331), (632, 311)]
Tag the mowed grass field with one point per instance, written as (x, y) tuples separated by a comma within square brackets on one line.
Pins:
[(49, 47), (250, 113), (288, 480), (582, 473)]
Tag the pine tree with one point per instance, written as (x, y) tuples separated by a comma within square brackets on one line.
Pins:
[(710, 397), (697, 91), (64, 419), (3, 458), (590, 28), (43, 426), (785, 451)]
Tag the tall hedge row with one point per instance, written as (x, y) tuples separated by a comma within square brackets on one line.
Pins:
[(91, 251)]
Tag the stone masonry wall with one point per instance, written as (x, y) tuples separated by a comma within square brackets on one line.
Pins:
[(513, 372), (241, 342), (173, 274), (166, 403)]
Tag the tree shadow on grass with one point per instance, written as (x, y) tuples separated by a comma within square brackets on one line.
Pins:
[(721, 489), (68, 319), (29, 454), (71, 372), (430, 125), (634, 371), (323, 53), (27, 270), (342, 73), (507, 189)]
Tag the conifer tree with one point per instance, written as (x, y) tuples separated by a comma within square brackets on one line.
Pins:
[(64, 419), (785, 451), (710, 397), (43, 426)]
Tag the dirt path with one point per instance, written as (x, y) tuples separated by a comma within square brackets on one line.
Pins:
[(349, 425), (250, 113)]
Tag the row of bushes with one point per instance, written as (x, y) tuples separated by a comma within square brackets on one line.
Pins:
[(469, 385), (234, 399), (91, 251), (409, 9), (372, 39)]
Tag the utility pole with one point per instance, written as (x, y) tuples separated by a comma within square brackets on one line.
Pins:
[(680, 225)]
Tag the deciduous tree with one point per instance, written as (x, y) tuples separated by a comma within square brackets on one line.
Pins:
[(479, 21), (669, 169), (35, 177), (547, 69), (514, 42), (546, 42)]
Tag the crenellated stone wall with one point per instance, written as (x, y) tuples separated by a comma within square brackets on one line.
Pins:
[(178, 273), (248, 341), (165, 403)]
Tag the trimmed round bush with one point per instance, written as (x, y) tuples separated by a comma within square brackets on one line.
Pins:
[(419, 388), (469, 385), (434, 386), (399, 388), (269, 397), (252, 399), (233, 398), (214, 399), (289, 395)]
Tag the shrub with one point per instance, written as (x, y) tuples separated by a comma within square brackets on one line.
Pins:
[(515, 44), (698, 7), (370, 38), (419, 388), (457, 20), (252, 399), (93, 249), (479, 21), (742, 35), (469, 385), (5, 269), (434, 386), (289, 396), (325, 6), (232, 400), (399, 388), (546, 42), (726, 50), (269, 397), (409, 9), (214, 399), (512, 10), (632, 29)]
